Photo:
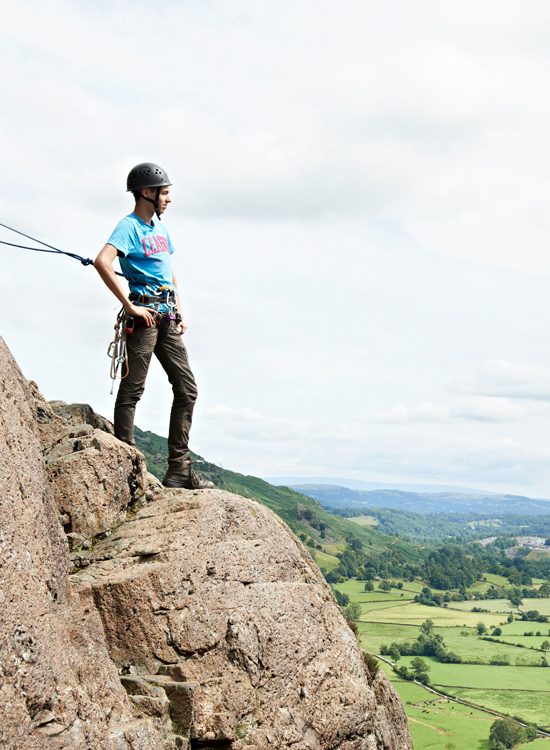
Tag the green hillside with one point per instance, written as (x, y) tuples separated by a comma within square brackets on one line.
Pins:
[(325, 534)]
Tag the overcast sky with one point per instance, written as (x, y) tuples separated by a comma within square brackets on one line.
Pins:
[(360, 215)]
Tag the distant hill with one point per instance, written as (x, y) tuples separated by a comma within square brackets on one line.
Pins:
[(482, 504), (325, 533), (361, 484)]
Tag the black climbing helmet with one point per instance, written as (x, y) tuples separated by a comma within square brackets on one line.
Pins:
[(147, 175)]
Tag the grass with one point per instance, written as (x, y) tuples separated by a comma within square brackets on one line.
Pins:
[(364, 520), (334, 549), (356, 591), (496, 579), (473, 648), (519, 627), (470, 646), (525, 641), (532, 706), (543, 606), (503, 605), (493, 605), (439, 724), (325, 561), (485, 676), (538, 554), (415, 614)]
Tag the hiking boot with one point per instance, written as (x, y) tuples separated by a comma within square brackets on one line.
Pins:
[(186, 479)]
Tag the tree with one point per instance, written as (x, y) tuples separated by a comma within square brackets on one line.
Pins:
[(499, 660), (419, 666), (506, 733), (353, 611), (427, 627), (481, 628), (384, 585), (515, 597), (369, 586), (393, 652), (449, 567), (341, 598), (530, 732), (372, 664), (422, 677), (355, 543), (510, 618), (545, 646), (533, 615), (497, 631)]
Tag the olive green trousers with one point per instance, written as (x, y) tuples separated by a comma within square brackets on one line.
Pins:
[(167, 346)]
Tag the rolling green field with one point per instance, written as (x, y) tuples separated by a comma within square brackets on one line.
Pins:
[(416, 614), (519, 627), (533, 642), (436, 722), (463, 641), (486, 676), (529, 706), (515, 689), (503, 605)]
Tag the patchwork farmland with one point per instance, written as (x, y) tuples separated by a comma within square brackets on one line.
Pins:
[(504, 674)]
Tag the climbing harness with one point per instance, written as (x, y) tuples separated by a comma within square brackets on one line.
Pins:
[(125, 325), (166, 296), (51, 248)]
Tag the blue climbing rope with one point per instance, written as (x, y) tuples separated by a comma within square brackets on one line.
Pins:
[(46, 248)]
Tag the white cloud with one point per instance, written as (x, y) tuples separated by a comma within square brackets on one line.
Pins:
[(478, 409), (359, 213), (424, 413), (514, 380)]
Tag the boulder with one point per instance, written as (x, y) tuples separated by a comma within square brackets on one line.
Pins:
[(210, 588), (94, 478), (77, 414)]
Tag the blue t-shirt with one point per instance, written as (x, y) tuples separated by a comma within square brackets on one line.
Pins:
[(144, 252)]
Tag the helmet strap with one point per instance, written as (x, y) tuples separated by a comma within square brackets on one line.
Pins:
[(154, 201)]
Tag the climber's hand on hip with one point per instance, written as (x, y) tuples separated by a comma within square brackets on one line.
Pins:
[(142, 312)]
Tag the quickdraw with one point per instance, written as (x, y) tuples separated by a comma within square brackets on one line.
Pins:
[(117, 350)]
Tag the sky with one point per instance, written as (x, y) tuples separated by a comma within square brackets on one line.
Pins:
[(360, 216)]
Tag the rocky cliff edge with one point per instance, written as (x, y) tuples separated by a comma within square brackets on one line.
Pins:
[(138, 618)]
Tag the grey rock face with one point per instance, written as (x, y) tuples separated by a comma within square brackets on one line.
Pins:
[(58, 686), (211, 588), (191, 617), (94, 478)]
